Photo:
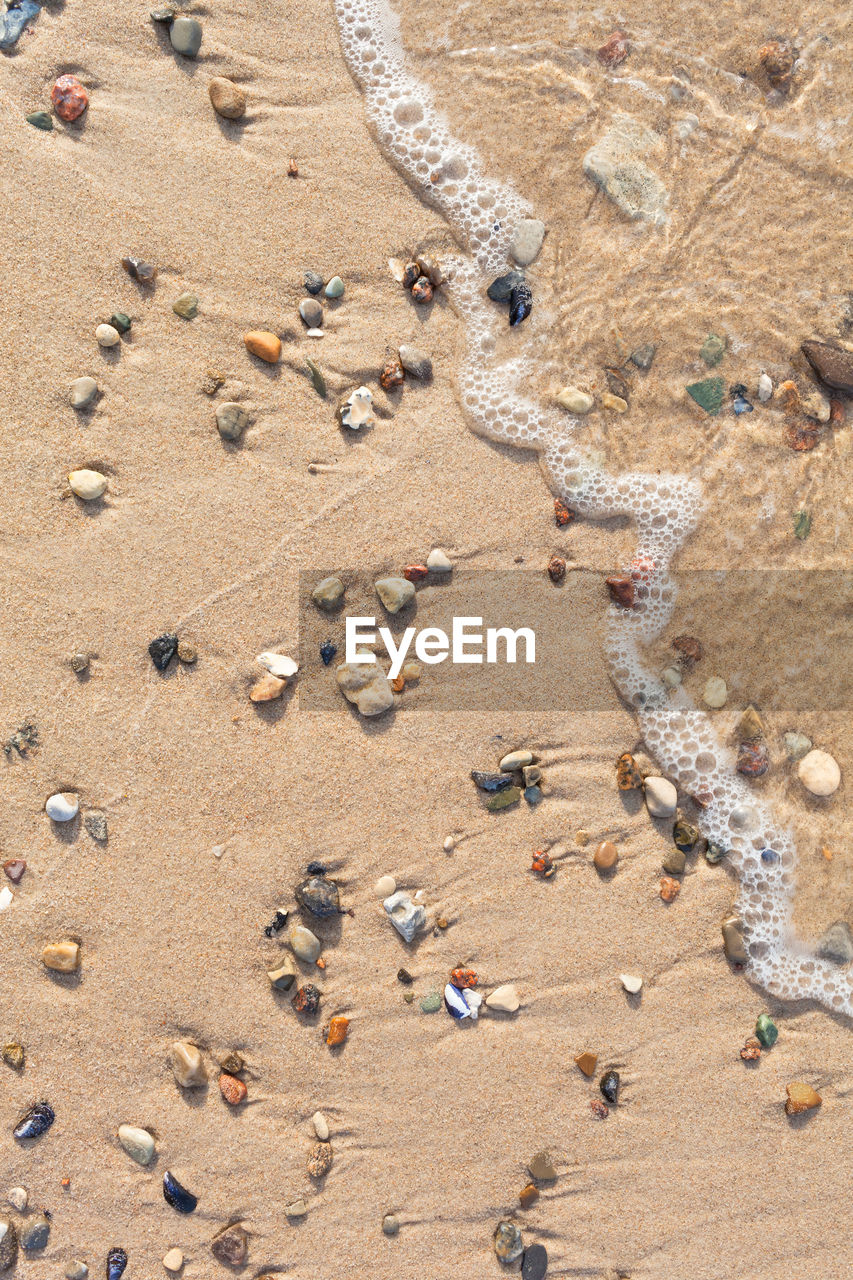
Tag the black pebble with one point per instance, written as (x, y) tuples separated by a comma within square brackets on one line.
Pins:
[(327, 652), (520, 304), (163, 650), (316, 868), (277, 923), (609, 1086), (116, 1263), (492, 781), (36, 1122), (501, 289), (405, 977), (313, 282), (535, 1262), (177, 1196)]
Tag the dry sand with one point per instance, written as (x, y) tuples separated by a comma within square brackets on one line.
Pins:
[(698, 1173)]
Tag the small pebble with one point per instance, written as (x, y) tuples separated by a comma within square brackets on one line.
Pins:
[(319, 896), (406, 916), (801, 1097), (320, 1160), (751, 1050), (395, 593), (185, 35), (616, 403), (661, 797), (432, 1003), (612, 53), (263, 344), (69, 97), (797, 745), (439, 561), (685, 836), (186, 306), (298, 1209), (231, 1245), (390, 1225), (669, 889), (62, 807), (338, 1031), (609, 1086), (733, 942), (141, 272), (503, 799), (606, 855), (836, 944), (528, 1195), (416, 362), (534, 1264), (587, 1062), (227, 98), (766, 1030), (61, 957), (508, 1242), (107, 335), (283, 975), (76, 1270), (267, 689), (422, 290), (713, 349), (41, 120), (715, 692), (628, 776), (321, 1127), (328, 593), (83, 392), (307, 999), (643, 356), (87, 485), (574, 401), (515, 760), (163, 649), (119, 320), (177, 1196), (233, 1090), (18, 1198), (313, 282), (542, 1168), (327, 652), (631, 982), (527, 241), (504, 999), (305, 945), (138, 1143), (556, 569), (173, 1260), (187, 653), (392, 375), (674, 862), (187, 1065), (34, 1234), (311, 313), (15, 868), (385, 886), (819, 773), (501, 289), (335, 288)]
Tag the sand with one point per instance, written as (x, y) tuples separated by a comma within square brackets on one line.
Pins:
[(697, 1173)]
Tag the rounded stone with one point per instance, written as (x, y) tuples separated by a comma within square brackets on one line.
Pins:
[(231, 1245), (661, 797), (263, 344), (819, 773), (715, 693), (328, 593), (335, 288), (311, 313), (138, 1143), (187, 1065), (385, 886), (606, 855), (542, 1167), (415, 362), (227, 98), (395, 593), (504, 999), (186, 35), (173, 1260), (508, 1242), (62, 807), (527, 241), (306, 946), (313, 282), (107, 335), (439, 561), (320, 896), (390, 1224), (797, 745), (573, 400), (186, 306), (87, 485), (320, 1160), (69, 97), (515, 760), (18, 1198), (83, 392), (534, 1264), (321, 1126), (34, 1234), (231, 420)]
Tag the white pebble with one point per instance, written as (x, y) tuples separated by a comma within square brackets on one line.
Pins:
[(527, 241), (449, 844), (439, 561), (173, 1260), (765, 388), (661, 797), (76, 1270), (321, 1126), (83, 392), (819, 773), (107, 336), (385, 886), (715, 692), (6, 896), (574, 400), (18, 1198), (62, 807), (87, 485), (278, 664), (671, 677), (315, 333), (504, 999), (138, 1143), (631, 982)]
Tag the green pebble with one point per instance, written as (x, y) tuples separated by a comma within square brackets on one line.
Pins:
[(41, 120), (335, 288), (766, 1030), (186, 306), (431, 1003), (713, 350), (120, 321), (708, 394), (409, 996), (503, 799), (802, 525)]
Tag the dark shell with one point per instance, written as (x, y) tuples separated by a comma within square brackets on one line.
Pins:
[(499, 290), (163, 650), (520, 304), (411, 273), (36, 1122), (609, 1086), (144, 272), (405, 977), (313, 282), (316, 868), (177, 1196), (116, 1263), (556, 569), (422, 290), (492, 781), (689, 648), (319, 896), (753, 759), (534, 1264), (307, 999), (327, 652)]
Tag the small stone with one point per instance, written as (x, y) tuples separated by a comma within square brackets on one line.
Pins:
[(320, 1160), (405, 977), (833, 365), (395, 593), (366, 685), (87, 485), (163, 649), (138, 1143), (766, 1029), (119, 320), (751, 1050), (15, 868), (79, 662), (406, 916), (777, 60), (416, 362), (267, 689), (319, 896), (714, 853), (186, 306), (527, 241), (306, 946), (708, 394), (69, 97), (733, 943), (765, 388), (335, 288), (392, 375), (8, 1244), (311, 313), (83, 392), (606, 855), (643, 356), (815, 404), (753, 759), (231, 1246), (61, 957), (62, 807), (438, 561), (508, 1242), (685, 836), (661, 797), (587, 1062), (298, 1209), (836, 944), (715, 692), (95, 822), (500, 290), (278, 664), (609, 1086), (18, 1198), (556, 569), (802, 524), (233, 1090), (503, 799), (616, 403), (307, 999), (819, 773), (534, 1264), (520, 304), (515, 760), (328, 593), (674, 862), (504, 999), (141, 272), (713, 350), (187, 1065), (263, 344), (321, 1127), (574, 401), (173, 1260), (227, 98), (34, 1234), (385, 886), (542, 1168), (41, 120), (669, 889), (432, 1003), (797, 745), (628, 776), (621, 589), (631, 982), (422, 290), (283, 975), (356, 411), (76, 1270), (750, 725), (801, 1097), (185, 35), (313, 282), (187, 653), (338, 1031), (390, 1225), (327, 652), (528, 1195), (612, 53), (107, 335)]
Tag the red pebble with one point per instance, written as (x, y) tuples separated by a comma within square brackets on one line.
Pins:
[(415, 572), (233, 1090), (599, 1109), (562, 514), (464, 978), (15, 869), (614, 50), (69, 97)]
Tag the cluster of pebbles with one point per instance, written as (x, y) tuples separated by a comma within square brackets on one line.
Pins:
[(518, 775)]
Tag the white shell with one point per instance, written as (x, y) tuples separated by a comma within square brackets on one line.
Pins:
[(6, 896), (278, 664), (62, 808), (356, 409), (819, 773), (87, 484)]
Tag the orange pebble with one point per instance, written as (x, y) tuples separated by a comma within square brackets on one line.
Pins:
[(338, 1028), (69, 97), (464, 978), (528, 1196), (398, 684), (267, 689), (264, 345), (232, 1089), (415, 572), (669, 888), (606, 855), (586, 1061)]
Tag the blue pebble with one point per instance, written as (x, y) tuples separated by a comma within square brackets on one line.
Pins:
[(14, 22), (454, 1002), (327, 652), (769, 856), (533, 794), (742, 405)]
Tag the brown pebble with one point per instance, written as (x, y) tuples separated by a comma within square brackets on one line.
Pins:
[(422, 290), (263, 344), (556, 569), (415, 572), (142, 272), (13, 1055), (15, 868), (621, 590), (614, 50), (587, 1062), (777, 59), (528, 1196), (801, 1097), (442, 923), (338, 1030), (669, 888), (320, 1159), (187, 653), (228, 99), (751, 1050), (267, 689), (398, 684), (675, 862), (606, 855), (689, 648), (62, 957), (231, 1245), (833, 365), (562, 513), (292, 168), (392, 374), (599, 1108), (233, 1090)]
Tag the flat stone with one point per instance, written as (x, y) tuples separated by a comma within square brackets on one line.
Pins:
[(83, 392), (416, 362), (508, 1242), (186, 36), (631, 982), (173, 1260), (819, 773), (606, 855), (306, 946), (491, 781), (616, 403), (765, 387), (187, 1065), (61, 957), (733, 943), (406, 916), (534, 1264), (574, 400), (395, 593), (708, 394), (504, 999), (231, 420), (836, 944), (87, 485), (34, 1233), (541, 1167), (311, 313), (833, 365), (231, 1246), (431, 1003), (227, 98), (715, 693), (500, 290), (515, 760), (661, 797), (297, 1209), (633, 187), (62, 807), (797, 745), (503, 799), (280, 665), (138, 1143), (328, 593), (267, 689), (366, 685), (38, 119), (527, 241), (186, 306), (439, 561)]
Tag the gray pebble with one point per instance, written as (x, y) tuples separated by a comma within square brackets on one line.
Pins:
[(76, 1270), (185, 35), (311, 312), (35, 1233), (534, 1264), (231, 420), (390, 1224), (335, 288), (837, 943), (313, 282), (328, 593), (416, 362), (500, 289), (643, 356), (83, 392)]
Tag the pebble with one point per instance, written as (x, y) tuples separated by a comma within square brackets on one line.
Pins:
[(390, 1224), (616, 403), (520, 304), (515, 760), (431, 1003), (801, 1097), (267, 689), (606, 855), (231, 1245), (395, 593), (83, 392), (661, 797), (87, 485), (62, 807), (643, 356), (674, 862), (574, 400), (504, 999), (753, 759), (833, 365), (278, 664), (185, 35), (13, 24), (319, 896), (320, 1160), (713, 349), (327, 652), (328, 593), (173, 1260), (35, 1122), (439, 561), (61, 957), (8, 1244), (69, 97), (335, 288), (283, 975), (231, 420), (366, 685), (613, 52), (609, 1086), (15, 868), (556, 569), (766, 1030), (338, 1030), (708, 394), (177, 1196), (406, 916), (385, 886), (431, 269), (39, 119), (321, 1127), (416, 362), (138, 1143), (528, 1195), (392, 375), (76, 1270), (797, 745), (508, 1242), (311, 313), (119, 320), (107, 335), (765, 388), (34, 1234), (186, 306), (669, 889), (534, 1264), (819, 773), (263, 344), (628, 776), (527, 241), (142, 272), (751, 1050), (187, 1065), (306, 946), (621, 589), (18, 1198), (504, 799), (836, 944), (715, 693), (541, 1167), (227, 98), (501, 288), (162, 650), (233, 1090), (733, 943), (631, 982), (313, 282), (422, 290), (714, 853), (79, 662), (298, 1209), (356, 411)]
